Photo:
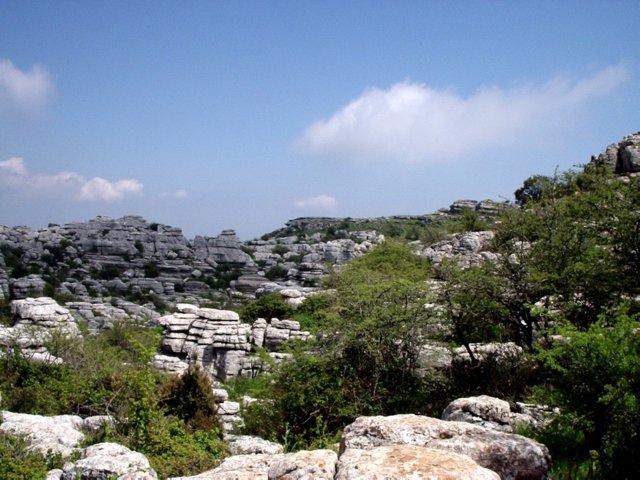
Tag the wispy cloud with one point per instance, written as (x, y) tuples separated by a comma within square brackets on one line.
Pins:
[(320, 202), (178, 194), (27, 91), (14, 165), (413, 122), (14, 175)]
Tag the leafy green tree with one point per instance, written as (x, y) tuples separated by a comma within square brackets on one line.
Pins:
[(268, 306), (365, 361), (595, 376)]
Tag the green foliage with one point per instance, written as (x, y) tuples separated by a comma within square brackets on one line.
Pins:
[(267, 307), (279, 249), (139, 247), (596, 380), (470, 221), (190, 398), (151, 269), (313, 314), (364, 363), (276, 272), (18, 463)]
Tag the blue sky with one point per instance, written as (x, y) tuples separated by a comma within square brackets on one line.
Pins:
[(208, 115)]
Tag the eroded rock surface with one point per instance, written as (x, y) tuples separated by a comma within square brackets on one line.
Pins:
[(511, 456), (109, 460), (496, 414), (409, 462)]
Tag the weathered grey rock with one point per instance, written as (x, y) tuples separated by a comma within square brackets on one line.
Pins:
[(36, 322), (258, 331), (239, 467), (29, 286), (511, 456), (245, 444), (59, 434), (409, 462), (229, 413), (622, 157), (488, 412), (304, 465), (55, 474), (170, 364), (507, 353), (468, 249), (109, 460)]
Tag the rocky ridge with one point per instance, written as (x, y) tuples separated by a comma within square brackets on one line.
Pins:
[(399, 447)]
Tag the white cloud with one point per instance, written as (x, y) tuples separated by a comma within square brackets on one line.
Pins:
[(100, 189), (14, 165), (320, 202), (413, 122), (26, 90), (178, 194), (14, 174)]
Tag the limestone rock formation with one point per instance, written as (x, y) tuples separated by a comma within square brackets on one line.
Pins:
[(217, 340), (109, 460), (622, 157), (239, 467), (471, 248), (511, 456), (408, 462), (496, 414), (305, 465), (35, 322), (58, 434), (246, 444)]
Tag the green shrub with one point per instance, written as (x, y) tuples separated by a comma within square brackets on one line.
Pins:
[(267, 307), (18, 463), (190, 398)]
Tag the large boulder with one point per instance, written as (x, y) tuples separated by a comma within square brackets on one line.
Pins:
[(58, 434), (409, 462), (622, 157), (305, 465), (246, 444), (496, 414), (513, 457), (109, 460), (239, 467)]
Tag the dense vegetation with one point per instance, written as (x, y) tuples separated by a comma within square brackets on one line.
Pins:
[(564, 286), (110, 374)]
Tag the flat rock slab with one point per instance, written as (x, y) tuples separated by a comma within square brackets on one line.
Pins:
[(513, 457), (409, 462)]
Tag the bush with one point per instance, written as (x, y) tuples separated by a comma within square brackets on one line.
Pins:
[(267, 307), (18, 463), (190, 398), (596, 383)]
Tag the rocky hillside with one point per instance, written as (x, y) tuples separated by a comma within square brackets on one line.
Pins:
[(129, 261)]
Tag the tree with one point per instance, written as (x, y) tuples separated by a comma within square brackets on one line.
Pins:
[(365, 362), (595, 376)]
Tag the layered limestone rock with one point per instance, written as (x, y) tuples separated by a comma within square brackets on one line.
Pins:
[(109, 460), (468, 249), (36, 321), (59, 434), (217, 340), (511, 456), (248, 445), (496, 414), (622, 157)]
